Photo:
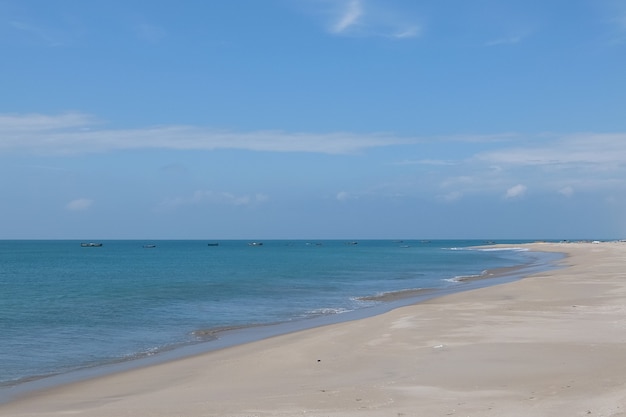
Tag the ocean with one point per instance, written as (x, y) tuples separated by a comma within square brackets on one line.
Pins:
[(66, 307)]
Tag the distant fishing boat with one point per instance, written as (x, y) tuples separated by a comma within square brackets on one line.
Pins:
[(150, 246), (255, 244), (212, 244), (91, 245)]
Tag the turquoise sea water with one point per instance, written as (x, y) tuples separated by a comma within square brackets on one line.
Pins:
[(64, 307)]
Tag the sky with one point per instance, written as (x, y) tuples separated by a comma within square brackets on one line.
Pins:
[(313, 119)]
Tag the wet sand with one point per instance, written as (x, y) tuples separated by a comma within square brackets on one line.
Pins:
[(552, 344)]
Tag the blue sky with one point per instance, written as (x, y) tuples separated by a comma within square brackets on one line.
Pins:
[(312, 119)]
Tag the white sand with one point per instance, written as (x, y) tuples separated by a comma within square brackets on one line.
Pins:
[(553, 344)]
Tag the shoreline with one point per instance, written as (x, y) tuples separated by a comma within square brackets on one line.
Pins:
[(548, 344), (213, 339)]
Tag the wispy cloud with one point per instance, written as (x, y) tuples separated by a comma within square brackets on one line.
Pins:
[(588, 162), (80, 204), (38, 33), (213, 197), (584, 149), (407, 32), (349, 16), (343, 196), (369, 18), (450, 167), (505, 41), (75, 133), (567, 191), (434, 162), (15, 123), (451, 196), (565, 164), (516, 191)]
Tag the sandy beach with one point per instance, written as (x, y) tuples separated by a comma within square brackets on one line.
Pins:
[(552, 344)]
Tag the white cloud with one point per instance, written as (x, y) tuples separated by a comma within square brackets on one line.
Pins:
[(586, 162), (368, 18), (481, 164), (516, 191), (78, 133), (597, 149), (452, 196), (349, 16), (13, 123), (71, 134), (567, 191), (79, 204), (343, 196)]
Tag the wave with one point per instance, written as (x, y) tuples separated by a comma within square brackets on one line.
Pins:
[(512, 249), (326, 311), (462, 278)]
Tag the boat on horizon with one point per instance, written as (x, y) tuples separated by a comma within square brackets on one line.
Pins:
[(90, 245), (213, 244)]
